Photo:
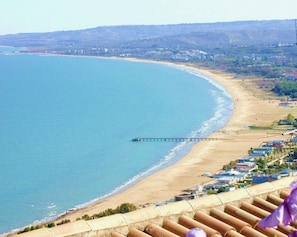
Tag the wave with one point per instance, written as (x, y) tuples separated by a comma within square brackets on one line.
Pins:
[(51, 206)]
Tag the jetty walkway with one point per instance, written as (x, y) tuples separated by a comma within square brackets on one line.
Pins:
[(173, 139)]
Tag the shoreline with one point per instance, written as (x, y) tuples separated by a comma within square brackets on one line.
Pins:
[(204, 156)]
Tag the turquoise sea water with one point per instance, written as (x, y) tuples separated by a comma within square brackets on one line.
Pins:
[(66, 125)]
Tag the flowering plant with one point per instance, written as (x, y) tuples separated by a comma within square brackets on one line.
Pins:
[(286, 213), (196, 232)]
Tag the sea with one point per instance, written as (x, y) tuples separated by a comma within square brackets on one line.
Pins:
[(66, 125)]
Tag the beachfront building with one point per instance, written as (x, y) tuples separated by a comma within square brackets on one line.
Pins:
[(225, 181), (245, 167), (261, 151), (219, 186), (275, 144), (228, 173), (245, 159), (260, 178)]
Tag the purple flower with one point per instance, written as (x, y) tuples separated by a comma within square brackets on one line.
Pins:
[(293, 234), (285, 213), (196, 232)]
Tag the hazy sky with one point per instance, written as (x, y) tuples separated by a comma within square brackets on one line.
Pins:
[(18, 16)]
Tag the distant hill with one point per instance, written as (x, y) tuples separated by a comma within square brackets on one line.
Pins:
[(186, 36)]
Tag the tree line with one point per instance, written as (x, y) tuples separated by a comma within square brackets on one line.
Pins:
[(286, 88)]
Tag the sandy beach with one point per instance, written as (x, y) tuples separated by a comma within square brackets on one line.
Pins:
[(252, 108)]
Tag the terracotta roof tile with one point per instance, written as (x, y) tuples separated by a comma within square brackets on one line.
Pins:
[(250, 232), (137, 233), (233, 214), (190, 223), (265, 204), (158, 231), (116, 234), (233, 233), (269, 231), (216, 224), (228, 219), (254, 210), (274, 199), (242, 215), (284, 194), (175, 228)]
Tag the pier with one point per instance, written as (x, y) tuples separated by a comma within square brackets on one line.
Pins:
[(172, 139)]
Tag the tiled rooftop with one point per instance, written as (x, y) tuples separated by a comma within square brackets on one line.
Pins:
[(231, 214)]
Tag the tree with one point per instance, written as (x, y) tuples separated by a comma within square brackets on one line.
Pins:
[(262, 163), (286, 87), (290, 118), (126, 207)]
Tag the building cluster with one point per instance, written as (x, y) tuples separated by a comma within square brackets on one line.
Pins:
[(246, 171), (291, 75)]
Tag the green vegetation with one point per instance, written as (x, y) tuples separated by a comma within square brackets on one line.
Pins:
[(62, 222), (291, 118), (260, 127), (50, 225), (212, 191), (229, 166), (47, 225), (30, 228), (123, 208), (286, 88)]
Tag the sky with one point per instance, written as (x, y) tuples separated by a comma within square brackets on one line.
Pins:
[(22, 16)]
